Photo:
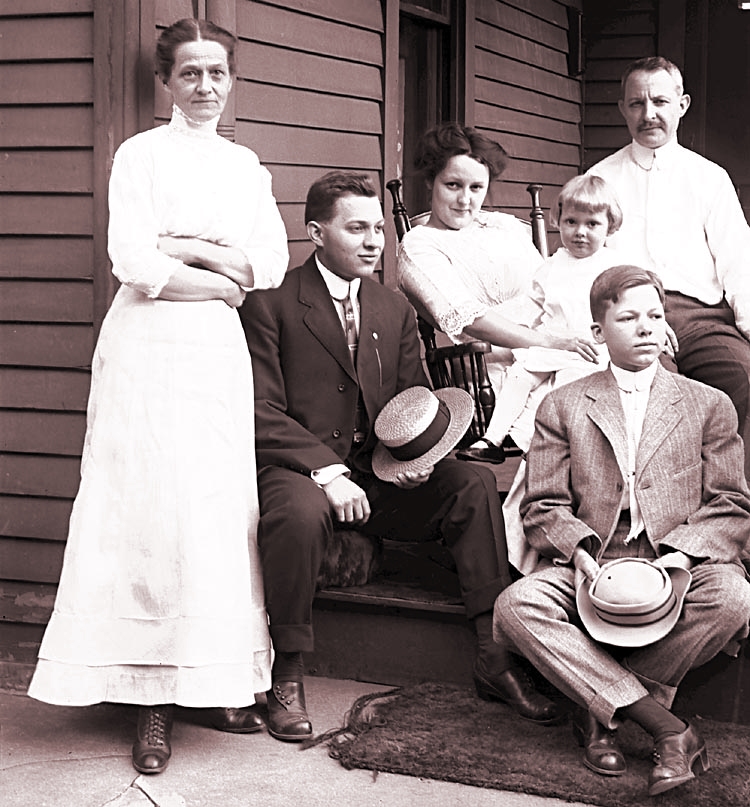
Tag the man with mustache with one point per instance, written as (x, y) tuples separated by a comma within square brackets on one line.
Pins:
[(683, 220)]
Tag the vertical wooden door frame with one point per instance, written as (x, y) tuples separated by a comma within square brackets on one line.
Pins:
[(465, 74), (462, 79), (224, 14), (392, 144), (120, 110)]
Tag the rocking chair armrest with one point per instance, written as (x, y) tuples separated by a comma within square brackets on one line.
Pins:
[(458, 351)]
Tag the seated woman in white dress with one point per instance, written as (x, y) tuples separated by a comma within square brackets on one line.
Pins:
[(160, 600), (470, 271)]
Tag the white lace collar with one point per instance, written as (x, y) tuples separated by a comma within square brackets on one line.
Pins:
[(181, 123)]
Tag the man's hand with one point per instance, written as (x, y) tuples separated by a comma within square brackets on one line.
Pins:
[(585, 563), (410, 480), (672, 345), (348, 501), (671, 560)]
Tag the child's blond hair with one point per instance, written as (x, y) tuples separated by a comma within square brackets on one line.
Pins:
[(590, 193)]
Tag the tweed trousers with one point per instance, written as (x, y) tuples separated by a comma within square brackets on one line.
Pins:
[(537, 616)]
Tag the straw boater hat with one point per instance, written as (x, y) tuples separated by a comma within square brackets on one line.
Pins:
[(417, 428), (632, 602)]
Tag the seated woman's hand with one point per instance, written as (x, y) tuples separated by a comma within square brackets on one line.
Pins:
[(583, 347)]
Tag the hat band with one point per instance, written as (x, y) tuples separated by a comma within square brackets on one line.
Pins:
[(642, 618), (429, 438)]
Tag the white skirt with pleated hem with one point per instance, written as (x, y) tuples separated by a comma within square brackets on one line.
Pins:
[(161, 596)]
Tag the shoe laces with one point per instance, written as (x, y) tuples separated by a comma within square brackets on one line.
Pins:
[(156, 727)]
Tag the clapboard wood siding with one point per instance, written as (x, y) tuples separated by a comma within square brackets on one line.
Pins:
[(47, 185), (47, 83), (309, 95), (39, 432), (25, 257), (26, 562), (26, 388), (19, 645), (614, 36), (42, 214), (60, 171), (54, 126), (524, 97), (65, 37), (46, 301), (39, 475), (37, 518), (43, 8), (270, 64), (46, 345)]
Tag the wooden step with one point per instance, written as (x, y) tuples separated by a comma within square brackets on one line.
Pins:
[(409, 625)]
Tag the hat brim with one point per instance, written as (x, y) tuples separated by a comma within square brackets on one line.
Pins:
[(461, 408), (632, 635)]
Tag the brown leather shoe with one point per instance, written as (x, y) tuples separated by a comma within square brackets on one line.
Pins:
[(152, 749), (244, 720), (515, 688), (675, 757), (287, 713), (601, 753)]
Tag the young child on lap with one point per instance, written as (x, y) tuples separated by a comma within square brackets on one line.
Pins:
[(586, 212)]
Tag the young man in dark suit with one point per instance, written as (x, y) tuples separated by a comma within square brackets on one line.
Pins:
[(318, 391)]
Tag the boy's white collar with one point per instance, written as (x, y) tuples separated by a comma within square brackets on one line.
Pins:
[(640, 380)]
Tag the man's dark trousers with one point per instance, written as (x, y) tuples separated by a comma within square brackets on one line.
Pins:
[(459, 503)]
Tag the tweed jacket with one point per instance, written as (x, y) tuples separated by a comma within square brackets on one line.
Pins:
[(305, 386), (689, 478)]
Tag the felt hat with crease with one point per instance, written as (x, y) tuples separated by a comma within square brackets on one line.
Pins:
[(417, 428), (632, 602)]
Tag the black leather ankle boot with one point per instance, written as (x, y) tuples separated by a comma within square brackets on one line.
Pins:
[(152, 749)]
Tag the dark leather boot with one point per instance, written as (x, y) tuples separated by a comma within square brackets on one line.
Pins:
[(152, 749), (287, 713), (515, 688), (678, 757), (244, 720), (601, 753)]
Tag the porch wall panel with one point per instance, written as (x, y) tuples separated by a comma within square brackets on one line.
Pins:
[(525, 98), (614, 39), (46, 301), (309, 95)]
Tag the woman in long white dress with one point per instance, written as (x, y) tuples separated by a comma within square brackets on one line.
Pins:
[(160, 600)]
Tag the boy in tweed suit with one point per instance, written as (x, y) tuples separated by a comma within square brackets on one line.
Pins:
[(632, 462)]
